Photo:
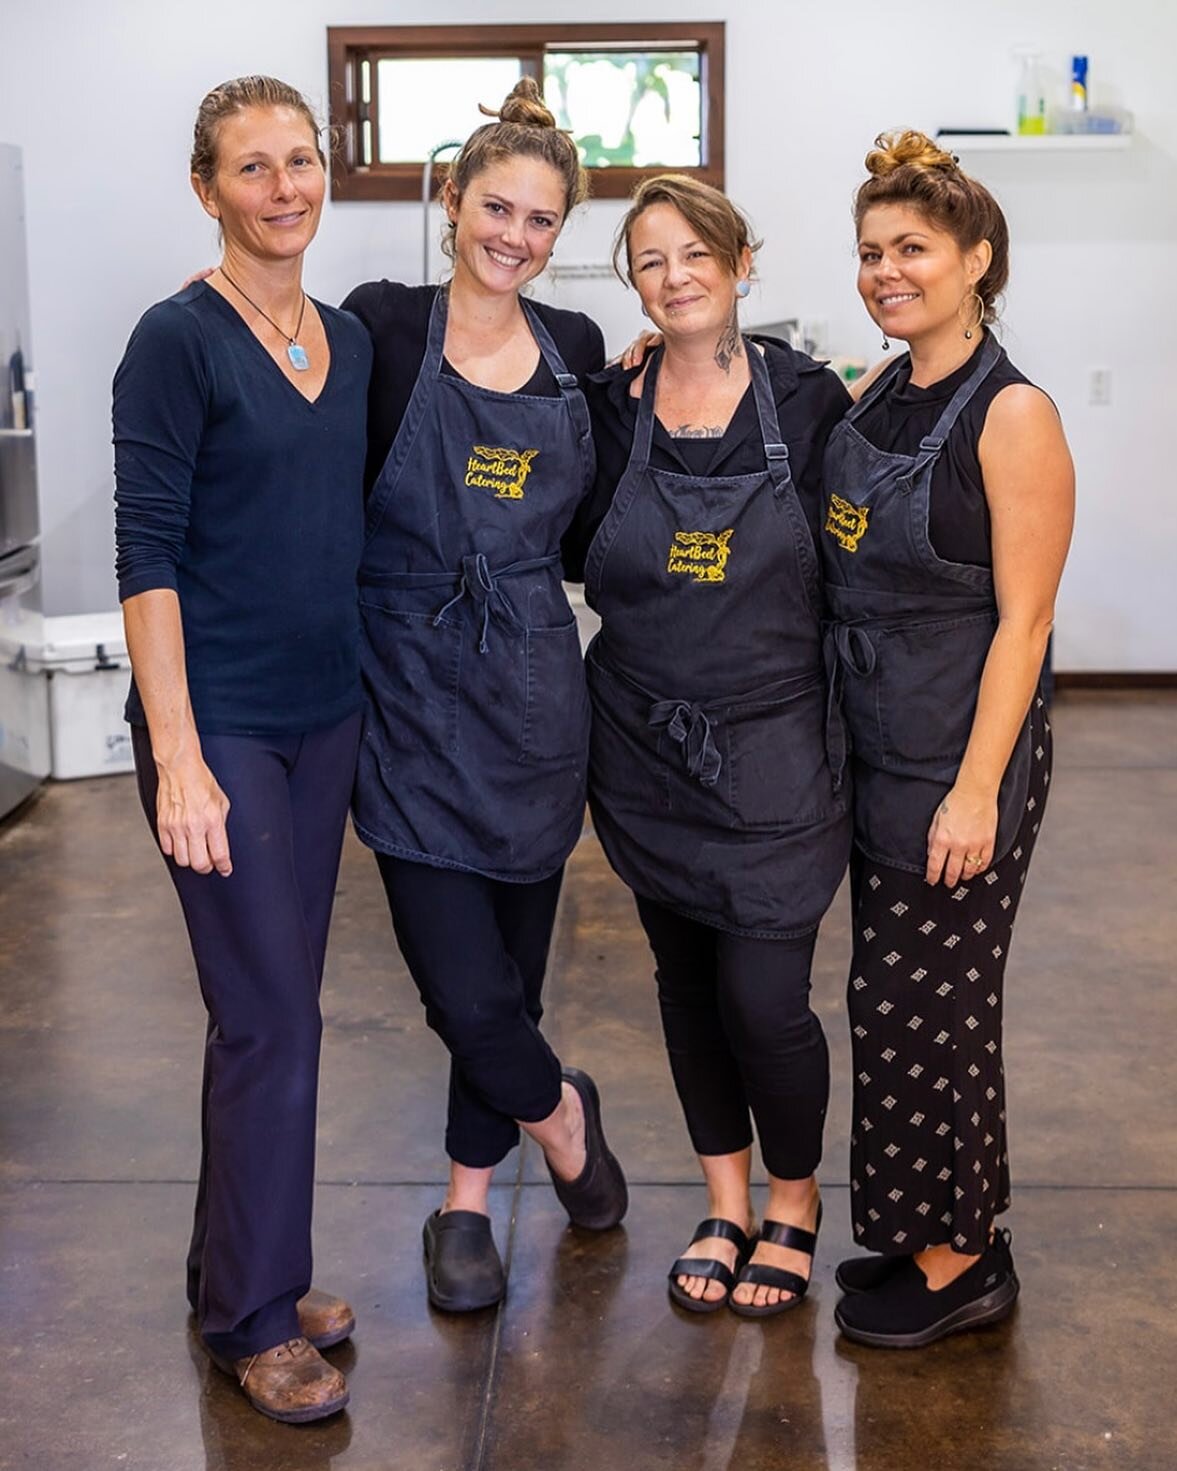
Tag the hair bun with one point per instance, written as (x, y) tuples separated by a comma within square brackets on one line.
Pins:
[(895, 150), (525, 104)]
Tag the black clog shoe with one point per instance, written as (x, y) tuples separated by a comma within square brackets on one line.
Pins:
[(598, 1198), (463, 1269)]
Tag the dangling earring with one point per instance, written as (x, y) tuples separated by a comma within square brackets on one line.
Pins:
[(976, 326), (743, 288), (886, 344)]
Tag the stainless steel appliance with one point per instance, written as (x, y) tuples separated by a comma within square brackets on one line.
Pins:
[(24, 717)]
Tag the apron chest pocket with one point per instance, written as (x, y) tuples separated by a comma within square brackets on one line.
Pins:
[(556, 704)]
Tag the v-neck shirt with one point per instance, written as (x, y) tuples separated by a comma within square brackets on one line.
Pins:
[(247, 499)]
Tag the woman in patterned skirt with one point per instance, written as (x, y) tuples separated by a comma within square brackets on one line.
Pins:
[(950, 500)]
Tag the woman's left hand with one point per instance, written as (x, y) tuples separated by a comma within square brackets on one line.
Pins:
[(961, 837), (635, 353)]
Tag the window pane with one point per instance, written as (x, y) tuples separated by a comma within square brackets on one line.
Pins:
[(424, 103), (628, 109)]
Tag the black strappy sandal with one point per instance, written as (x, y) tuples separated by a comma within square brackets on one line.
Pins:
[(709, 1267), (777, 1233)]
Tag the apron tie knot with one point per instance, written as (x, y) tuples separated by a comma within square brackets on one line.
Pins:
[(689, 726), (855, 652), (847, 647), (481, 586)]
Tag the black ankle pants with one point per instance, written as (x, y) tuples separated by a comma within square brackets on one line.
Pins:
[(477, 949), (743, 1042)]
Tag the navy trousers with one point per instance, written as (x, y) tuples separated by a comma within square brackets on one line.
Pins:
[(477, 949), (259, 938)]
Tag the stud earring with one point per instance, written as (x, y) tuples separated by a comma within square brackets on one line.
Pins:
[(743, 288)]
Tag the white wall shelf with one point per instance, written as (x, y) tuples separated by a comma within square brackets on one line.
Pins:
[(1044, 142)]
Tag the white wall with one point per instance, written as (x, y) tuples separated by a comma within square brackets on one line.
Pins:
[(101, 97)]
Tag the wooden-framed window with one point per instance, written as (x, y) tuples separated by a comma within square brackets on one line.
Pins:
[(638, 99)]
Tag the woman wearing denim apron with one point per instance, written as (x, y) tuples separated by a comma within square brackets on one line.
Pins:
[(471, 778), (949, 505), (709, 780)]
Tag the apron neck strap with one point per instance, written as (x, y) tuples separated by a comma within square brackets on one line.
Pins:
[(435, 337), (435, 341), (986, 361), (776, 452), (643, 432)]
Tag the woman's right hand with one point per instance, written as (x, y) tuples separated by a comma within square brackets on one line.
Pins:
[(635, 353), (191, 812), (202, 275)]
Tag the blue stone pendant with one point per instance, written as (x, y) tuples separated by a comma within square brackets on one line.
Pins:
[(298, 357)]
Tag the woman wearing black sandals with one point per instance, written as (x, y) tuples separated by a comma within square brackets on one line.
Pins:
[(709, 780), (950, 506)]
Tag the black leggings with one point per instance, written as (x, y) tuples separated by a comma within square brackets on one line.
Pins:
[(742, 1040), (477, 949)]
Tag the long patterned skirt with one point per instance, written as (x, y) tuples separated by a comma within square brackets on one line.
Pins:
[(929, 1161)]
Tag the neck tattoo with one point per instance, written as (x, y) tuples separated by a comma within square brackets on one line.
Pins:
[(730, 345), (294, 349)]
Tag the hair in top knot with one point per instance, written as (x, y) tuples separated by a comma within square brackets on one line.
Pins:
[(895, 150), (523, 104), (907, 168), (525, 127)]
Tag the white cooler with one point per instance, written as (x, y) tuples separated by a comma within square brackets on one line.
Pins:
[(83, 663)]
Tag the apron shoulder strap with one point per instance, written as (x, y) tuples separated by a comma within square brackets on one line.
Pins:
[(566, 382), (989, 356), (776, 451)]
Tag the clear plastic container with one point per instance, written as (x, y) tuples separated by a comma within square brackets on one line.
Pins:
[(1031, 97)]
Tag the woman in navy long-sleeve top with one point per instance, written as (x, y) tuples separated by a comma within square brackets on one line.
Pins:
[(239, 417)]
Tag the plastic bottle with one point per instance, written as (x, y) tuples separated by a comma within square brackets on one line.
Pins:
[(1078, 84), (1031, 98)]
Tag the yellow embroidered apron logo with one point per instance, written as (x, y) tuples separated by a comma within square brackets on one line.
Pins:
[(700, 554), (500, 470), (846, 522)]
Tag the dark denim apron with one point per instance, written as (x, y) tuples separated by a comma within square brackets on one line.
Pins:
[(475, 740), (709, 780), (909, 637)]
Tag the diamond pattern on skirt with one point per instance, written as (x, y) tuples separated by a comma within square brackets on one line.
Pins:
[(941, 1125)]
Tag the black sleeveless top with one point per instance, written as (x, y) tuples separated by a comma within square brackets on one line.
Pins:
[(958, 523)]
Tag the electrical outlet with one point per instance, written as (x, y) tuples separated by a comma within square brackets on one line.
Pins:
[(1099, 386)]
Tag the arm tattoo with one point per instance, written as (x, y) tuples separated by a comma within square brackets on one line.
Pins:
[(697, 431), (730, 345)]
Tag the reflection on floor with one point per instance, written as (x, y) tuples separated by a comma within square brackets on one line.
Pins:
[(586, 1365)]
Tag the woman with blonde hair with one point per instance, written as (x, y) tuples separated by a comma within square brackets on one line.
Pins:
[(949, 507), (238, 431)]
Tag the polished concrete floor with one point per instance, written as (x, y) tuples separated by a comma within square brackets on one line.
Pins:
[(586, 1365)]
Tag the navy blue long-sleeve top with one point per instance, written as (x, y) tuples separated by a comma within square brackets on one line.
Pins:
[(247, 500)]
